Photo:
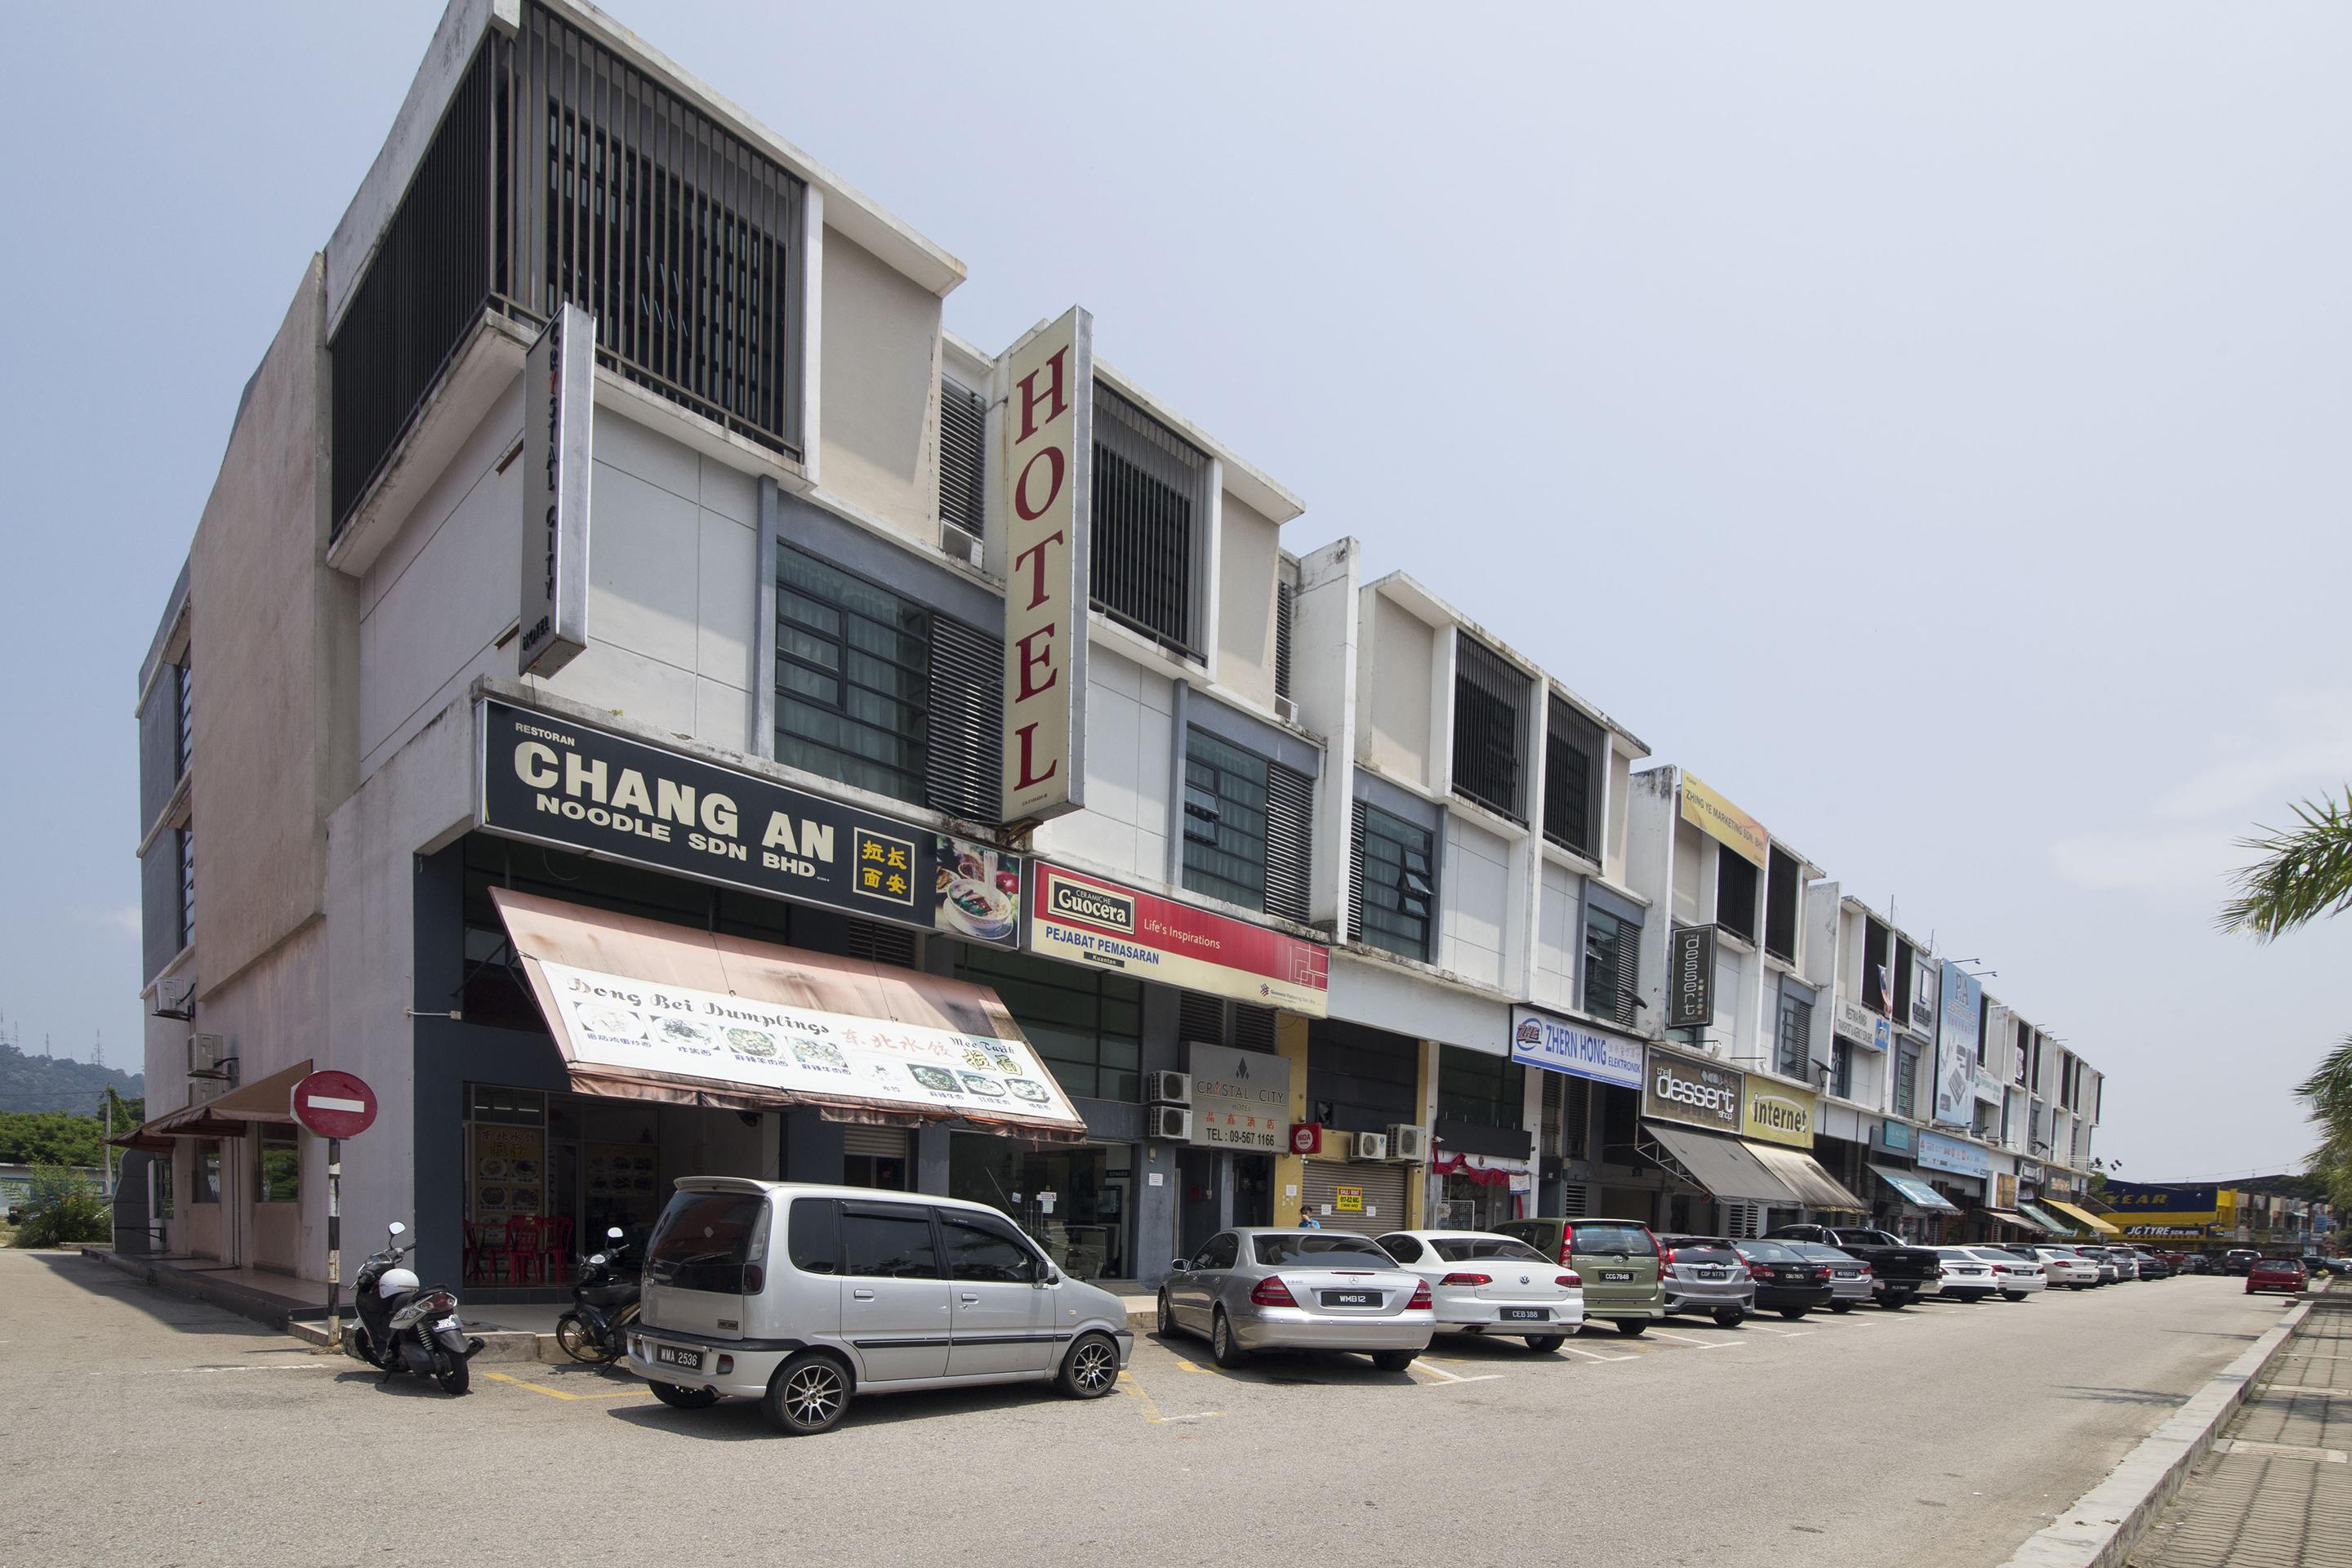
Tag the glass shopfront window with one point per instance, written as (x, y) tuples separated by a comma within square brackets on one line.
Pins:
[(1087, 1026), (1079, 1203)]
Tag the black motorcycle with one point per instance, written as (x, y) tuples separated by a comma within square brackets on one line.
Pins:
[(404, 1327), (604, 1305)]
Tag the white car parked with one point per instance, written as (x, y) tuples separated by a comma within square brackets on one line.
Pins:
[(2018, 1277), (1498, 1285), (2064, 1266)]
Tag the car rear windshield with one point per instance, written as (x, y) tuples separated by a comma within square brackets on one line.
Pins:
[(1319, 1247), (1868, 1238), (704, 1240), (1819, 1253), (1630, 1239), (1698, 1248), (1770, 1252), (1466, 1248)]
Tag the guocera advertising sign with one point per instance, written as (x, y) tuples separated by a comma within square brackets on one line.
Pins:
[(1778, 1113), (1695, 1093)]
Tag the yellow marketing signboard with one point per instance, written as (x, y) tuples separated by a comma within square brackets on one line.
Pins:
[(1777, 1113), (1718, 817)]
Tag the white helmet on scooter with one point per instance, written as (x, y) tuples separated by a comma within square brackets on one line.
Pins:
[(393, 1282)]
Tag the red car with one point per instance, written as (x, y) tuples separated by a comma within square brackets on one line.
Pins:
[(2276, 1274)]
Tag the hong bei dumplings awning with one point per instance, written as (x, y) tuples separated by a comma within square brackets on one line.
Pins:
[(642, 1010)]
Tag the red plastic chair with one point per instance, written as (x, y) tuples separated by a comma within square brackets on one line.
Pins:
[(555, 1248), (490, 1245), (473, 1253), (523, 1254)]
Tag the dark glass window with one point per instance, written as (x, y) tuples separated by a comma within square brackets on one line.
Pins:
[(1796, 1035), (1225, 821), (1875, 976), (1490, 701), (982, 1249), (707, 1241), (1088, 1027), (1783, 897), (853, 689), (188, 843), (887, 1241), (1573, 753), (207, 1175), (1221, 1251), (1402, 1247), (1475, 1087), (1396, 883), (1612, 966), (278, 1164), (183, 733), (1735, 892), (1906, 1080), (814, 1242), (1841, 1069)]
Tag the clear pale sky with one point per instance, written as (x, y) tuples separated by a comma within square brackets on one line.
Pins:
[(1929, 429)]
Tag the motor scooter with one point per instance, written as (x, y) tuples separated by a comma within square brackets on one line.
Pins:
[(404, 1327), (604, 1304)]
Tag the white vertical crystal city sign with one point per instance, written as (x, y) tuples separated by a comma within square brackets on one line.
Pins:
[(559, 411), (1045, 483)]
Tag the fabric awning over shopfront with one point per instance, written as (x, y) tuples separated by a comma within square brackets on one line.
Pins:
[(642, 1010), (1804, 1175), (2084, 1219), (2046, 1220), (1726, 1167), (1915, 1191), (2019, 1220), (226, 1116)]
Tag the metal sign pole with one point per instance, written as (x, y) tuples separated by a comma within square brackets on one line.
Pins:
[(334, 1241)]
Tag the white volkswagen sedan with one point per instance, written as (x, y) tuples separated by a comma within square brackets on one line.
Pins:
[(2066, 1267), (1495, 1286), (2017, 1277)]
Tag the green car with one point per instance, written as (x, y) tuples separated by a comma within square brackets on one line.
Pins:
[(1617, 1259)]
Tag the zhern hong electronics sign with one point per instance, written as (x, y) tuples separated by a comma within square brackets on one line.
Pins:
[(1694, 1093), (1103, 925), (1541, 1040), (572, 786)]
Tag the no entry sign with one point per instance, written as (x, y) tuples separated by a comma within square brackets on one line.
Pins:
[(334, 1104)]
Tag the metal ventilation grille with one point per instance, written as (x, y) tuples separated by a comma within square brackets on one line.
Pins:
[(1573, 750), (964, 770), (1356, 876), (1201, 1018), (1489, 722), (1147, 496), (1253, 1026), (1290, 836), (1286, 593), (1575, 1200), (878, 943), (964, 426)]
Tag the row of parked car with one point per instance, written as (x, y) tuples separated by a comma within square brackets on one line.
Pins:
[(806, 1298)]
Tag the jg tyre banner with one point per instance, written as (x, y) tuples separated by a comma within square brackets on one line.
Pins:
[(1367, 1198)]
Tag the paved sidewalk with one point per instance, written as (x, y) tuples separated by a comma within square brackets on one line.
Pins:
[(2276, 1492)]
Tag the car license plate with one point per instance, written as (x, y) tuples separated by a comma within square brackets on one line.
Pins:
[(1709, 1273), (1849, 1274), (1527, 1314), (1351, 1298), (1616, 1276), (670, 1355)]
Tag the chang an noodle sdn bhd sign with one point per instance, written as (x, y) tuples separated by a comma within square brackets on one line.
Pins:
[(570, 786)]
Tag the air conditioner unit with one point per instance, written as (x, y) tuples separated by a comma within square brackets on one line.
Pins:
[(1171, 1123), (204, 1053), (176, 997), (1371, 1146), (1286, 710), (1410, 1144), (1168, 1088), (964, 546)]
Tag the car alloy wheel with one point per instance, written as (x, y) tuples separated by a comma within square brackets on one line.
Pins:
[(1091, 1369), (1167, 1325), (810, 1394), (1222, 1347)]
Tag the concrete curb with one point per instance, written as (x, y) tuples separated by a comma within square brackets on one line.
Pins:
[(270, 1313), (2105, 1524)]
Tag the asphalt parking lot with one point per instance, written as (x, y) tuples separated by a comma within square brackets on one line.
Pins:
[(141, 1424)]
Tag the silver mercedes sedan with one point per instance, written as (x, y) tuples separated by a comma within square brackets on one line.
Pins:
[(1257, 1289)]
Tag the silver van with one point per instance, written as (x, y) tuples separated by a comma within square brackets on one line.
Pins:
[(804, 1297)]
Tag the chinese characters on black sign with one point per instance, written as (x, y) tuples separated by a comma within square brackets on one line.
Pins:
[(564, 783), (1690, 978)]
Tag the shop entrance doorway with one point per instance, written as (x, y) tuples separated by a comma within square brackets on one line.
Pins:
[(1253, 1189), (1196, 1177)]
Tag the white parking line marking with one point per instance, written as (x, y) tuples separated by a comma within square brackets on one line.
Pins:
[(1695, 1345), (1596, 1355), (1452, 1377)]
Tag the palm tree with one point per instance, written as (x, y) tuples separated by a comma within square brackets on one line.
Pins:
[(2305, 872)]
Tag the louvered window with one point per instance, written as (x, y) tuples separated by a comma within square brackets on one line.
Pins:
[(1612, 966), (184, 699), (1490, 701), (1395, 883), (1145, 531), (879, 692), (963, 425), (1253, 1027), (1796, 1035), (1286, 596), (1246, 824), (1572, 753), (187, 846), (1199, 1018)]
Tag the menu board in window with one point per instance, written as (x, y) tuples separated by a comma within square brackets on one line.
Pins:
[(509, 1171)]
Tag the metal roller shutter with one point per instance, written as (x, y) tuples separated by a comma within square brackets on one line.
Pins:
[(886, 1142), (1383, 1187)]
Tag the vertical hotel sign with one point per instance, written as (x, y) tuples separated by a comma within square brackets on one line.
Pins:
[(1047, 478), (560, 384)]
